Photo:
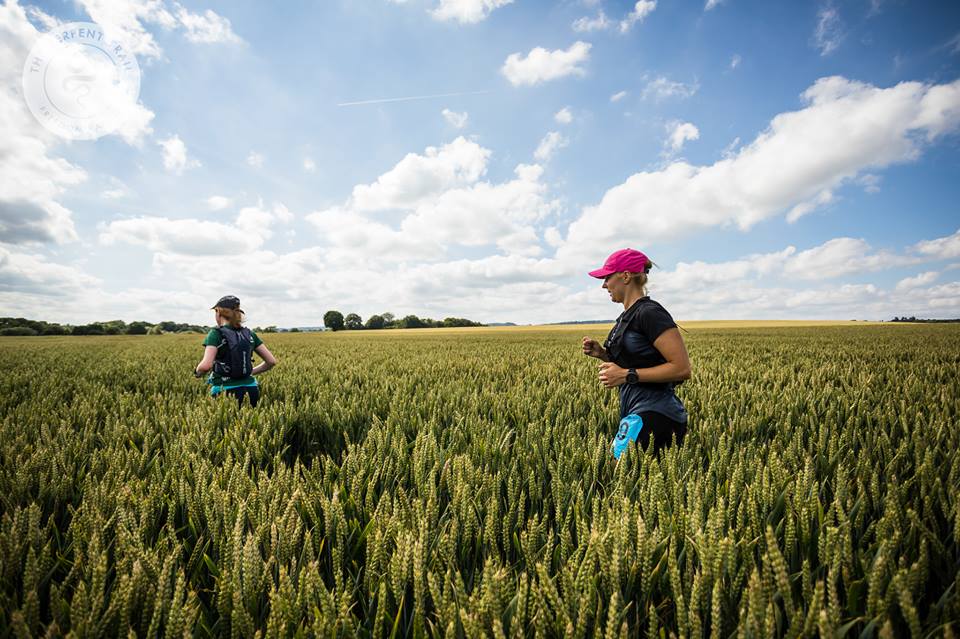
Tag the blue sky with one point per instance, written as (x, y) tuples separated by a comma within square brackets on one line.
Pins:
[(775, 159)]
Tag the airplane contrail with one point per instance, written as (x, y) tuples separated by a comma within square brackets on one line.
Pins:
[(412, 97)]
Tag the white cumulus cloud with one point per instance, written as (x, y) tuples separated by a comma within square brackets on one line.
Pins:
[(661, 88), (207, 27), (22, 272), (485, 213), (455, 119), (549, 145), (541, 65), (846, 128), (128, 19), (192, 237), (563, 116), (420, 176), (184, 236), (765, 285), (679, 133), (943, 248), (175, 157), (837, 257), (641, 10), (841, 256), (923, 279), (443, 203), (598, 23), (466, 11)]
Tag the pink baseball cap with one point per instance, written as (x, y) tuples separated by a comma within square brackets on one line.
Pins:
[(623, 260)]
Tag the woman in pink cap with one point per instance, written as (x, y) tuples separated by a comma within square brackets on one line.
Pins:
[(644, 356)]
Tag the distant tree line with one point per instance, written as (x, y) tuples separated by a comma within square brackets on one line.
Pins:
[(926, 321), (335, 321), (12, 326), (271, 329), (27, 327)]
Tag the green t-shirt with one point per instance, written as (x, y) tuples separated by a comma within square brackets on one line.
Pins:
[(216, 338)]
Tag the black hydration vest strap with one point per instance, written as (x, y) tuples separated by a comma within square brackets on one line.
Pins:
[(229, 336), (614, 343)]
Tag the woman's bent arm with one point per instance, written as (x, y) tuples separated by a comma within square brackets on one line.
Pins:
[(592, 348), (677, 367), (269, 361), (209, 355)]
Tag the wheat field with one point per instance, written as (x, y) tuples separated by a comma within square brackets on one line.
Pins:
[(459, 483)]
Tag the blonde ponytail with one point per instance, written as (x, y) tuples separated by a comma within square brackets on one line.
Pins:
[(641, 279), (232, 316)]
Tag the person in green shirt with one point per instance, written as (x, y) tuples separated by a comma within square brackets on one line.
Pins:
[(216, 350)]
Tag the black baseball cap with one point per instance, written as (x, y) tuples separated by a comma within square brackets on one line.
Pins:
[(228, 301)]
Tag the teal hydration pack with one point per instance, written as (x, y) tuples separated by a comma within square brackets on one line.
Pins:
[(629, 431), (237, 362)]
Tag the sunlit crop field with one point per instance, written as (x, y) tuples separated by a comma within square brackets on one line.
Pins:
[(459, 483)]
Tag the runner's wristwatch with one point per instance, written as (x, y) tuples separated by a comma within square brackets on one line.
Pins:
[(632, 376)]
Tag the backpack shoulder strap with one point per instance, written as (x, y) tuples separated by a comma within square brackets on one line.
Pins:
[(626, 320), (229, 335)]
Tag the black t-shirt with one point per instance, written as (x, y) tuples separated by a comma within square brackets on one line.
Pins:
[(640, 325), (630, 345)]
